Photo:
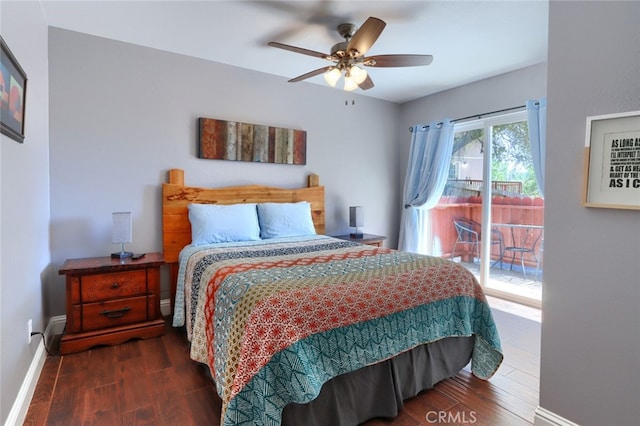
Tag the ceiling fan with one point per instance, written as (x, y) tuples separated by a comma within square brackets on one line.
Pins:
[(348, 56)]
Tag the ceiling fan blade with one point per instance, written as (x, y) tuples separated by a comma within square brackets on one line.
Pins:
[(366, 35), (366, 84), (398, 60), (285, 34), (311, 74), (298, 50)]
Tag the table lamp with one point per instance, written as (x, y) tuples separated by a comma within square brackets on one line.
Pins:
[(121, 233), (356, 220)]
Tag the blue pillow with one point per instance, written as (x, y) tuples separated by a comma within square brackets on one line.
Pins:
[(213, 223), (285, 220)]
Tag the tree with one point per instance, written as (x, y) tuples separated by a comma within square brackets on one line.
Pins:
[(462, 139), (511, 144), (510, 154)]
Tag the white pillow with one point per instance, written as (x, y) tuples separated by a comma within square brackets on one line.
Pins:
[(285, 220), (213, 223)]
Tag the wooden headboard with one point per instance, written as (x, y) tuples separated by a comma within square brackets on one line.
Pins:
[(176, 228)]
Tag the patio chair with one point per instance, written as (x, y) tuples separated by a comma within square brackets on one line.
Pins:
[(469, 234), (525, 248)]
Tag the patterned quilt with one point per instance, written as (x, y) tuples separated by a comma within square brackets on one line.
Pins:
[(275, 321)]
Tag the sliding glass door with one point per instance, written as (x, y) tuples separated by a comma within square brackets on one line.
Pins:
[(490, 216)]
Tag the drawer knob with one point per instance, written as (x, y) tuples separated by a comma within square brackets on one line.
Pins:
[(115, 285), (115, 313)]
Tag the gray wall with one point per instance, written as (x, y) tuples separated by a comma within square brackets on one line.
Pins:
[(24, 209), (591, 301), (122, 115), (591, 306)]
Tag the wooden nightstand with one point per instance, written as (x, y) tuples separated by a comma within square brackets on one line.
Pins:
[(369, 239), (110, 301)]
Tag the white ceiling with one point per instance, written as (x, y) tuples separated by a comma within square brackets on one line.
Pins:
[(469, 40)]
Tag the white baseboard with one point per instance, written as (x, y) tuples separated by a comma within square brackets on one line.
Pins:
[(545, 417), (55, 327), (21, 405)]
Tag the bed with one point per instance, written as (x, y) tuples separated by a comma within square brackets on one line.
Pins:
[(300, 328)]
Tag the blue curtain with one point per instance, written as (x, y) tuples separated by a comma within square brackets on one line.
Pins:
[(427, 173), (537, 118)]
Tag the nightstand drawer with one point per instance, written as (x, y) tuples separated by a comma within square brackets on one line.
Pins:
[(113, 285), (113, 313)]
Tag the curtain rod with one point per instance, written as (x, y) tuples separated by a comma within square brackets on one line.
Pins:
[(479, 116)]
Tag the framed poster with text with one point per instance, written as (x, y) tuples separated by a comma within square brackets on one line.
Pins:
[(612, 161)]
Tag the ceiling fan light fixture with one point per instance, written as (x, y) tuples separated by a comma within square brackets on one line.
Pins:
[(348, 57), (359, 74), (332, 76), (349, 83)]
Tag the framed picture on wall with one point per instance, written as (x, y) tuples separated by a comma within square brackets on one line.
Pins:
[(612, 161), (13, 90)]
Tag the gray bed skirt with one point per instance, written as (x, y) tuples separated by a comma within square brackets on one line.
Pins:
[(379, 390)]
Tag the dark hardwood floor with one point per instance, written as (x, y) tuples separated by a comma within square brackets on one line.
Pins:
[(153, 382)]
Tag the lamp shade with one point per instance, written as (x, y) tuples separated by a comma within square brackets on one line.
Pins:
[(332, 76), (121, 231), (356, 216), (359, 75), (349, 83)]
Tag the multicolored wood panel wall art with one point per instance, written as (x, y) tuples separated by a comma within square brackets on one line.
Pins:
[(232, 140)]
